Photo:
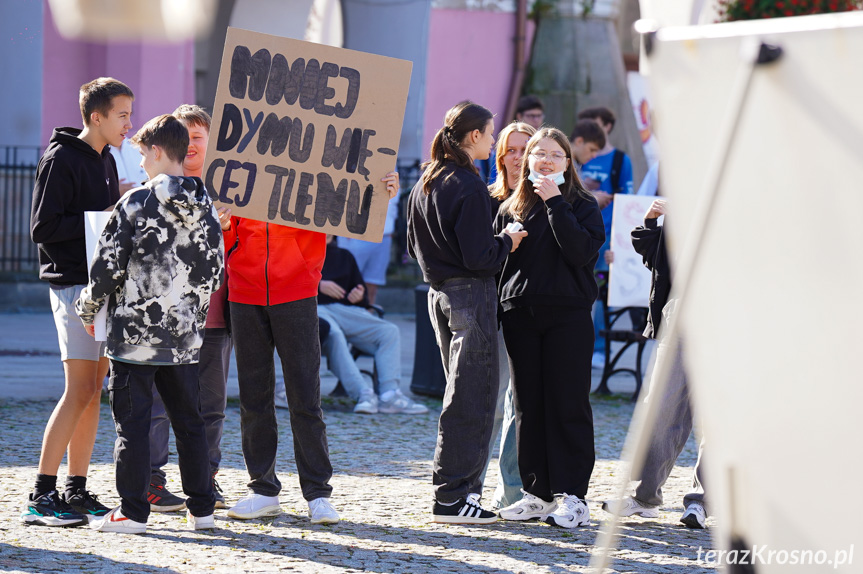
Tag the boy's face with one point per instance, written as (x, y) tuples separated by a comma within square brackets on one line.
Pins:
[(193, 164), (584, 151), (533, 117), (150, 160), (114, 125)]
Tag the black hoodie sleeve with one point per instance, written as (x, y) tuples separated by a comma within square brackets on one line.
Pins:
[(645, 239), (480, 249), (51, 220), (577, 228)]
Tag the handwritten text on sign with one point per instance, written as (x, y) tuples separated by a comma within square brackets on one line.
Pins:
[(303, 133)]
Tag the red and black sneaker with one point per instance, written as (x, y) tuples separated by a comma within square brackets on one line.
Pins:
[(162, 500)]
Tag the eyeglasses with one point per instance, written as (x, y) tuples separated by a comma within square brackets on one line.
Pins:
[(554, 156), (533, 115)]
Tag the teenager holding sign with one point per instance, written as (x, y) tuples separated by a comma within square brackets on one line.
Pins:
[(449, 234)]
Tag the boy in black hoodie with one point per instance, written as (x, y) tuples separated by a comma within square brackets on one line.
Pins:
[(76, 174)]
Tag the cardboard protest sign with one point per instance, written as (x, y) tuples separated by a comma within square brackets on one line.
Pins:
[(628, 278), (303, 133)]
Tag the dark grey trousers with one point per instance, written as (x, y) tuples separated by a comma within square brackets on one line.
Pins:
[(291, 329), (463, 312)]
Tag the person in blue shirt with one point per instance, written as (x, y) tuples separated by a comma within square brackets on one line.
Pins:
[(610, 172)]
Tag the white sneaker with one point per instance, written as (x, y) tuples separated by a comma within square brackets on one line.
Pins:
[(528, 508), (694, 516), (629, 506), (368, 403), (322, 512), (394, 402), (255, 506), (200, 522), (114, 521), (571, 511)]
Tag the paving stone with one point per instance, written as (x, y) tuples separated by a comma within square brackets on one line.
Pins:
[(382, 488)]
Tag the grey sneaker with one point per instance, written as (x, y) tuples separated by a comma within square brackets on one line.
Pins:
[(629, 506), (694, 516), (527, 508), (397, 403), (368, 403)]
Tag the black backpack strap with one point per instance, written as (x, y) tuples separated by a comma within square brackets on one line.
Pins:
[(616, 165)]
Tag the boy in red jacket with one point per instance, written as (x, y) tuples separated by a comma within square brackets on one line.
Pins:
[(273, 277)]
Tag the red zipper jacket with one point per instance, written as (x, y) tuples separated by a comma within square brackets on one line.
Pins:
[(272, 264)]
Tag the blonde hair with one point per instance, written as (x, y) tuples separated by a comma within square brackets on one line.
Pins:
[(522, 200), (500, 188)]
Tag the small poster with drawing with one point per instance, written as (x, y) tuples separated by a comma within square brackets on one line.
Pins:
[(628, 278)]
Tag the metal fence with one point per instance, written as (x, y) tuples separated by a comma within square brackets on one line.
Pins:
[(17, 174)]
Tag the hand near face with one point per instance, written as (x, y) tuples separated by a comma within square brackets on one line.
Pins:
[(545, 188)]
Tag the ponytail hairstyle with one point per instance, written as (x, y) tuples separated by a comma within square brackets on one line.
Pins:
[(448, 143), (524, 198), (500, 188)]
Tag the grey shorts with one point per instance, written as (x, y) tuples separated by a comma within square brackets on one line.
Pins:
[(75, 342)]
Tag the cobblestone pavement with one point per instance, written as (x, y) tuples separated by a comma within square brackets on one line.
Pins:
[(382, 488)]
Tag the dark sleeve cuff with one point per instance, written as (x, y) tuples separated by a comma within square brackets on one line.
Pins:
[(651, 223), (553, 201)]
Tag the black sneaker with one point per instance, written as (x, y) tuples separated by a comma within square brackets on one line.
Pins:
[(86, 503), (466, 511), (161, 499), (50, 510), (217, 490)]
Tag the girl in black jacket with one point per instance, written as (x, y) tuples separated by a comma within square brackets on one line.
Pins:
[(449, 233), (546, 292)]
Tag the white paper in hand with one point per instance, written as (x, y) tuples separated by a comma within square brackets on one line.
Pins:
[(94, 224)]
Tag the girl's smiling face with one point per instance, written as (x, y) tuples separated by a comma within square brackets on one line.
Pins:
[(547, 157)]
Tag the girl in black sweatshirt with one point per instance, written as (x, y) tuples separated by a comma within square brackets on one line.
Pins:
[(450, 234), (546, 292)]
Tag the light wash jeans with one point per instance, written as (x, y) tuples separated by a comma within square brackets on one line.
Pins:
[(508, 490), (354, 325), (669, 437)]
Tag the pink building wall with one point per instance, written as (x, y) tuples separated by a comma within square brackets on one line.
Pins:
[(470, 57), (162, 76)]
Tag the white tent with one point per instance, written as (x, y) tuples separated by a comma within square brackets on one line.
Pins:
[(763, 168)]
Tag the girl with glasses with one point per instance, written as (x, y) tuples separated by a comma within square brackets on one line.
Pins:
[(546, 292)]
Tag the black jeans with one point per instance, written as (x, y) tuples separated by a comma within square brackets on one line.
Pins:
[(131, 392), (292, 329), (213, 365), (463, 312), (549, 350)]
